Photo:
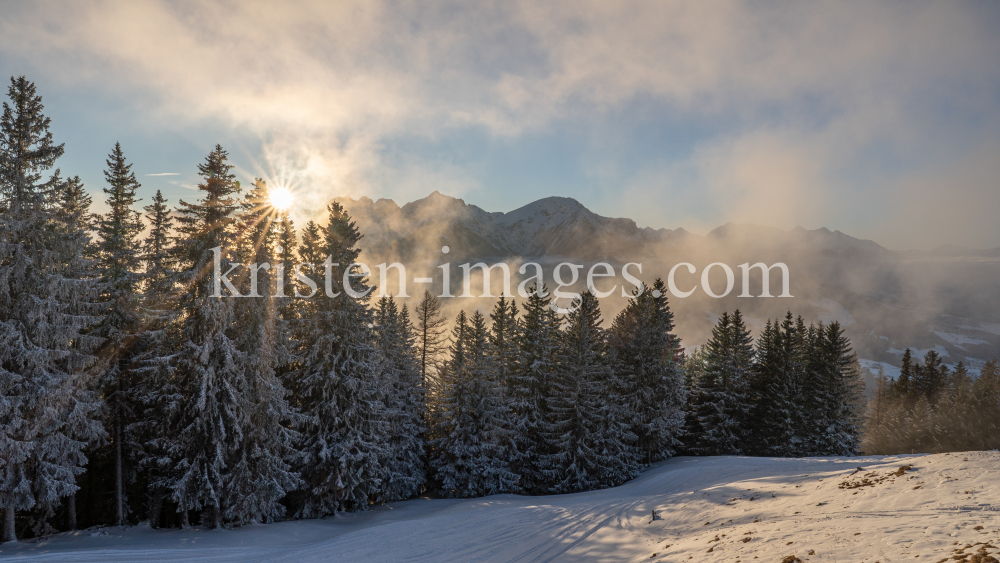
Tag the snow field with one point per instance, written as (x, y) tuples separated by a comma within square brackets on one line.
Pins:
[(709, 509)]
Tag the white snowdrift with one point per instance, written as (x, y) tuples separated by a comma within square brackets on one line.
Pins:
[(707, 509)]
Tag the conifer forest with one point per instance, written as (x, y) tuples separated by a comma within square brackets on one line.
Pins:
[(130, 393)]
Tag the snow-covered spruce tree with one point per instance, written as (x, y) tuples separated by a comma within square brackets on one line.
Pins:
[(206, 424), (117, 253), (774, 390), (258, 475), (338, 387), (157, 396), (719, 400), (842, 377), (503, 340), (81, 415), (399, 369), (46, 414), (814, 416), (646, 357), (311, 249), (529, 393), (593, 443), (470, 452)]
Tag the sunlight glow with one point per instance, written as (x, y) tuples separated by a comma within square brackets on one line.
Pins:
[(281, 199)]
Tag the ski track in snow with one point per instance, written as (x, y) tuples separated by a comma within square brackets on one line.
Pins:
[(923, 515)]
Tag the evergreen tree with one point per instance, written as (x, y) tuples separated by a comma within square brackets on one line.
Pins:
[(844, 388), (773, 401), (903, 384), (118, 260), (647, 357), (470, 453), (592, 438), (258, 475), (530, 389), (404, 466), (311, 250), (205, 422), (46, 414), (155, 392), (931, 379), (339, 389), (503, 340), (720, 392)]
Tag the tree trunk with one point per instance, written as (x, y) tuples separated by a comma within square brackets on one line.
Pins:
[(119, 493), (9, 535), (71, 512), (155, 507), (185, 519)]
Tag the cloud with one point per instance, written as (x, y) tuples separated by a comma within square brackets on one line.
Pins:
[(165, 174), (808, 110)]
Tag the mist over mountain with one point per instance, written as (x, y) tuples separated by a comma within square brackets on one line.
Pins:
[(947, 299)]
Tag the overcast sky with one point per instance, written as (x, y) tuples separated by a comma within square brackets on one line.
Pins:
[(878, 119)]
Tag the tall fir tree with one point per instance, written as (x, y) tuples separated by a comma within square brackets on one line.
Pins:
[(338, 387), (205, 421), (647, 355), (841, 377), (311, 249), (529, 393), (903, 384), (46, 414), (771, 432), (472, 443), (720, 392), (258, 474), (157, 394), (503, 340), (931, 378), (399, 369), (118, 259), (592, 439)]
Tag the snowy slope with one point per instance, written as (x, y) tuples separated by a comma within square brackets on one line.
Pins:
[(759, 509)]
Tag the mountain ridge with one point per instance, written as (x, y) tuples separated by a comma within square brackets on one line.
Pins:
[(555, 226)]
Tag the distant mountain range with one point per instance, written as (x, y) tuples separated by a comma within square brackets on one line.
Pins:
[(947, 299)]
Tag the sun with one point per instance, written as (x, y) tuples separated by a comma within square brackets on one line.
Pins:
[(281, 199)]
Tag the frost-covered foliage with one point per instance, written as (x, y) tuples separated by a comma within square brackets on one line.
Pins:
[(472, 450), (646, 356), (47, 290), (339, 388), (530, 388), (117, 257), (594, 446), (719, 398), (400, 371)]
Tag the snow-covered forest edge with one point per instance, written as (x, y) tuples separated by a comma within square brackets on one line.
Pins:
[(132, 395)]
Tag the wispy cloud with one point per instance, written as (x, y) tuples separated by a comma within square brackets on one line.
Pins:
[(811, 113), (165, 174)]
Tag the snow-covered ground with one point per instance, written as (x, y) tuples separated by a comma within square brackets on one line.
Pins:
[(863, 509)]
